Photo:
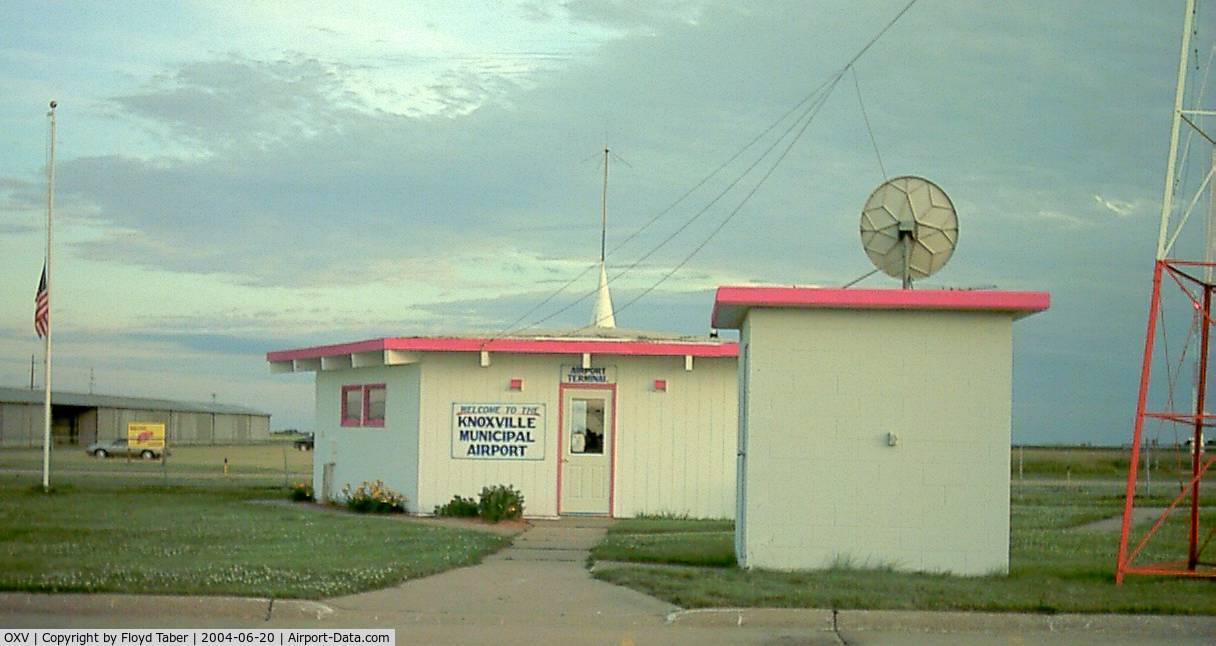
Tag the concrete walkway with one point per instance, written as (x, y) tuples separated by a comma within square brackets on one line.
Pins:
[(538, 591), (540, 583), (1140, 516)]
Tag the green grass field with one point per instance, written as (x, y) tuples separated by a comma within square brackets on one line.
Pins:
[(1098, 462), (1054, 567), (664, 540), (96, 535), (252, 463)]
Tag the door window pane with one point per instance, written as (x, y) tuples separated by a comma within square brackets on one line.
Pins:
[(587, 426)]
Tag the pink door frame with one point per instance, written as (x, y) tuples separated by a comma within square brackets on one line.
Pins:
[(561, 447)]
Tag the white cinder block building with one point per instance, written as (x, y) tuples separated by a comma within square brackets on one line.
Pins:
[(874, 426), (608, 423)]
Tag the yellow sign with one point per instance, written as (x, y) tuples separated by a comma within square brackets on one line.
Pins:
[(145, 435)]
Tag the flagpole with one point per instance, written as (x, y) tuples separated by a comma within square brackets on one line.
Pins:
[(50, 208)]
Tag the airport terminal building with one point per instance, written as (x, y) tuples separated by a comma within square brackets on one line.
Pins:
[(602, 422)]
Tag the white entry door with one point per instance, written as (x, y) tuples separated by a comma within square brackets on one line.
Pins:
[(587, 439)]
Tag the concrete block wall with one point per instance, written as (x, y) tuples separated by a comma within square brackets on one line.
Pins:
[(824, 388)]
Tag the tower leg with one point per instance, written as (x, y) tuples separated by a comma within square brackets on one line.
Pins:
[(1197, 439), (1130, 493)]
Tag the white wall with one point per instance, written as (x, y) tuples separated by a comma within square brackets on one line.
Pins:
[(823, 487), (674, 451), (388, 453), (456, 377), (18, 422)]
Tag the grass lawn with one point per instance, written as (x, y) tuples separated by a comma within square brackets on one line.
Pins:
[(1054, 567), (98, 536), (662, 540), (269, 460), (1168, 463)]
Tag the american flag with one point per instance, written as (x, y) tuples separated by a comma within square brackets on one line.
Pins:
[(42, 306)]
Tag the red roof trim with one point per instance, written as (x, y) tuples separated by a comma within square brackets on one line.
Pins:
[(732, 302), (521, 346)]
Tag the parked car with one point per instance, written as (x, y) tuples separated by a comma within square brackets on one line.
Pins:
[(305, 443), (119, 446)]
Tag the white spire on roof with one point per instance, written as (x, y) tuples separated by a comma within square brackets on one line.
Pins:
[(601, 315)]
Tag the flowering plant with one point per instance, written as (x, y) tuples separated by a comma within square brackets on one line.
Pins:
[(301, 491), (500, 502), (373, 497)]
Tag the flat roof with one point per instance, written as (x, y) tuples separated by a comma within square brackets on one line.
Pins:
[(732, 302), (83, 400), (608, 344)]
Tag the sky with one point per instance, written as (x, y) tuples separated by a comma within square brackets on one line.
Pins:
[(235, 178)]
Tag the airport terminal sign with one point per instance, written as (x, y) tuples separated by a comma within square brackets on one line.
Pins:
[(596, 375), (498, 431)]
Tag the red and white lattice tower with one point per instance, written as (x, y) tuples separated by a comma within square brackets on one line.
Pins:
[(1185, 284)]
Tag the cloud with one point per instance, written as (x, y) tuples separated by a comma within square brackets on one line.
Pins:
[(647, 17), (236, 104), (1065, 220), (302, 181), (305, 186), (1120, 208)]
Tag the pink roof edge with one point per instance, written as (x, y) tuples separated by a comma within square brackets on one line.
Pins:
[(731, 302), (639, 347)]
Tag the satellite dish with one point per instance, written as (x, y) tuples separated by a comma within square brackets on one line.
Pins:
[(909, 228)]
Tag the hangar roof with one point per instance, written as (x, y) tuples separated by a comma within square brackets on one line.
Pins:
[(27, 396), (731, 303)]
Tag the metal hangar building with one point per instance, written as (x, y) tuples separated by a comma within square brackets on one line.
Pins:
[(81, 419)]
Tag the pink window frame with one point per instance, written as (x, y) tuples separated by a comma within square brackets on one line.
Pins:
[(364, 418), (367, 405), (347, 420)]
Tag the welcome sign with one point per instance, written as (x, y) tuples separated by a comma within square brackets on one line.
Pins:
[(498, 431)]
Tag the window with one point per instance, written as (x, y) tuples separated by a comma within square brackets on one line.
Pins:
[(352, 405), (373, 405), (363, 405), (587, 426)]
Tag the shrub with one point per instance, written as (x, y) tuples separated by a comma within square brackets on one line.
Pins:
[(459, 507), (500, 502), (373, 497), (301, 492)]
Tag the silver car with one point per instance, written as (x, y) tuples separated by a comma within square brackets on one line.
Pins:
[(119, 446)]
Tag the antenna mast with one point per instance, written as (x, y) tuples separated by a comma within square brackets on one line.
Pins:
[(1167, 200), (602, 314), (604, 212)]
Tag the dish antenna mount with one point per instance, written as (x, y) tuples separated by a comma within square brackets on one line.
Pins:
[(909, 228)]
